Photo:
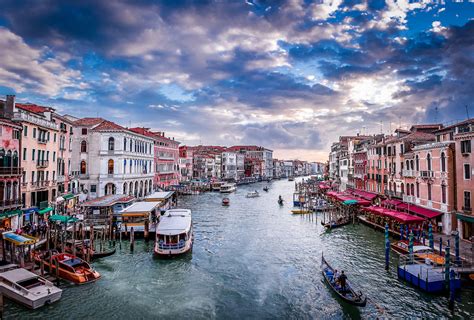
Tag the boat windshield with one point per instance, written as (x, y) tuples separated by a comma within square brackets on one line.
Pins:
[(75, 262), (30, 283)]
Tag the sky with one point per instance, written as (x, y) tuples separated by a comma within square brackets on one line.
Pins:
[(288, 75)]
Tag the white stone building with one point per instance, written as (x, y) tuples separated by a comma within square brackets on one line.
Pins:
[(229, 165), (110, 159)]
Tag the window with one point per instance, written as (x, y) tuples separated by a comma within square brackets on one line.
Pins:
[(443, 162), (83, 167), (428, 161), (124, 144), (443, 193), (429, 191), (25, 131), (467, 171), (417, 189), (402, 188), (54, 156), (110, 166), (93, 188), (83, 146), (24, 154), (412, 189), (467, 200), (466, 146), (84, 131), (47, 155), (54, 137), (111, 144), (34, 132), (33, 154)]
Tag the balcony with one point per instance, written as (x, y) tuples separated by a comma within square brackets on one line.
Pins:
[(26, 116), (10, 203), (467, 210), (42, 141), (409, 173), (7, 171), (393, 194), (410, 199), (42, 164), (40, 184), (426, 174)]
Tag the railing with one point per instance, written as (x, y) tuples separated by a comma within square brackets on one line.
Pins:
[(410, 199), (35, 119), (42, 141), (171, 246), (425, 174), (42, 164), (409, 173), (467, 209), (39, 184), (6, 171), (393, 194), (10, 203)]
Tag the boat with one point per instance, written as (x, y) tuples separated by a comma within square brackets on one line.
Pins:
[(174, 233), (83, 246), (226, 202), (71, 268), (401, 246), (27, 288), (253, 194), (291, 178), (280, 201), (336, 224), (301, 211), (299, 199), (348, 295), (216, 186), (265, 188), (228, 188), (427, 254)]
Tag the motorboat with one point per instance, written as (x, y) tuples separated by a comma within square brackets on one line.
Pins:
[(253, 194), (27, 288), (216, 186), (174, 233), (226, 202), (291, 178), (228, 188), (71, 268), (265, 188)]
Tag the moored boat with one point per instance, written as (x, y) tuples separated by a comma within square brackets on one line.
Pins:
[(401, 246), (226, 202), (347, 294), (27, 288), (301, 211), (265, 188), (174, 233), (71, 268), (216, 186), (336, 224), (82, 248), (291, 178), (253, 194), (228, 188)]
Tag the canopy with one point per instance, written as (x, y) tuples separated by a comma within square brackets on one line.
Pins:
[(392, 202), (45, 210), (68, 196), (17, 239), (8, 214), (350, 202), (365, 194), (397, 215), (427, 213), (63, 219)]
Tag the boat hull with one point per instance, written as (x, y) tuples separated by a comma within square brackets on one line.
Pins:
[(32, 304), (173, 252)]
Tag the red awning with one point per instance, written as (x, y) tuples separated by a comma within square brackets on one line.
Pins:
[(365, 194), (392, 202), (397, 215), (424, 212)]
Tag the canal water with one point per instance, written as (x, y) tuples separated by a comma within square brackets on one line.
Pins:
[(251, 260)]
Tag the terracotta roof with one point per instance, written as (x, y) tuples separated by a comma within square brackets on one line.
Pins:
[(143, 131), (468, 121), (34, 108), (107, 126), (88, 122)]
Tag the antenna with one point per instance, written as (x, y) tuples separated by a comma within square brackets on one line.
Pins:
[(467, 112), (436, 114)]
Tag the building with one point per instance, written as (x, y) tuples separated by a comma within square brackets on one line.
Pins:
[(185, 163), (10, 168), (65, 181), (288, 169), (229, 166), (110, 159), (40, 145), (254, 152)]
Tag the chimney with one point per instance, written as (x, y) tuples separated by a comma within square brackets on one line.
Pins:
[(7, 112)]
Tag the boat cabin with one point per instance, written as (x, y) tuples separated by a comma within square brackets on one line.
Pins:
[(138, 213), (168, 199), (174, 233), (101, 210)]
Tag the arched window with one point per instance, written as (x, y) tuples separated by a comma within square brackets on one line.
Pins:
[(83, 146), (402, 188), (111, 143), (411, 165), (15, 159), (124, 144), (390, 186), (429, 191), (408, 189), (408, 165), (412, 189), (417, 162), (83, 167), (110, 166), (443, 162), (2, 157), (428, 162), (417, 189), (8, 159), (125, 185), (443, 192)]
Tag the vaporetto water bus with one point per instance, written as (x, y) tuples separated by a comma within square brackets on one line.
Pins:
[(228, 188), (174, 233)]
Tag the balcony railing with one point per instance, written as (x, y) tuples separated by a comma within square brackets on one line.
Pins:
[(7, 171), (409, 173), (41, 164), (410, 199), (10, 203), (426, 174), (42, 141), (40, 184), (394, 194)]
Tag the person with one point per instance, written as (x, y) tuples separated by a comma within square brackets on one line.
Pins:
[(342, 281), (335, 276)]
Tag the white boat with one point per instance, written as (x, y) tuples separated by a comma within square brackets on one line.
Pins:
[(216, 186), (228, 188), (253, 194), (27, 288), (174, 233)]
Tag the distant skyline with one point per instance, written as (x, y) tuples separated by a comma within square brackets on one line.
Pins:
[(289, 75)]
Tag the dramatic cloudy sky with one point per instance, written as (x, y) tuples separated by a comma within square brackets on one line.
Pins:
[(289, 75)]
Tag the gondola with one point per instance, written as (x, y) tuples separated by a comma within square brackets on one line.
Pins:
[(335, 224), (265, 189), (82, 253), (348, 295), (280, 202)]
